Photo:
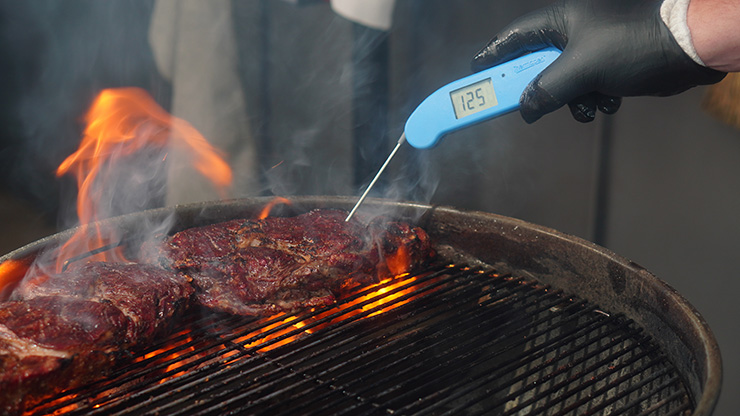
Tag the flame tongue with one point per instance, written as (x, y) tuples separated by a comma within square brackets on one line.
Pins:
[(11, 271), (123, 125), (270, 205)]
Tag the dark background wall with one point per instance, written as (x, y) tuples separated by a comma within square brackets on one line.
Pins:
[(669, 197)]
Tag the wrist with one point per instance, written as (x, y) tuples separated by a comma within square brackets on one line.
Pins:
[(714, 33), (674, 14)]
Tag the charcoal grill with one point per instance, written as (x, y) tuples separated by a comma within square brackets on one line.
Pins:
[(515, 319)]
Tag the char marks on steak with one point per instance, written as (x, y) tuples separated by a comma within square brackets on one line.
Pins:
[(148, 296), (72, 327), (284, 264)]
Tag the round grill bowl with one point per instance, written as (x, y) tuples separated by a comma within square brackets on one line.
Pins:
[(564, 262)]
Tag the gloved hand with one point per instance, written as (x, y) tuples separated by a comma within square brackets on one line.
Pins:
[(611, 49)]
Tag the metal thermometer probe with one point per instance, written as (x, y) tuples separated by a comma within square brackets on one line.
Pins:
[(467, 101), (382, 168)]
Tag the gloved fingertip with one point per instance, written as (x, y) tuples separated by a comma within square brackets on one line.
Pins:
[(583, 112), (530, 116), (584, 117), (482, 59), (535, 102), (609, 105)]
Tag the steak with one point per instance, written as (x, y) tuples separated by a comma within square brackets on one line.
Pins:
[(285, 264), (71, 328), (68, 329)]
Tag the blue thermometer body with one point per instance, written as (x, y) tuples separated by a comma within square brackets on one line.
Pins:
[(475, 98)]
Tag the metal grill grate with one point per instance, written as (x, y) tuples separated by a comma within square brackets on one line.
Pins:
[(450, 341)]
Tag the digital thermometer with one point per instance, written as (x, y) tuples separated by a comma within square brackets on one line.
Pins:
[(482, 96), (475, 98)]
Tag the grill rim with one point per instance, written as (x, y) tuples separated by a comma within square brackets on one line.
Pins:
[(511, 246)]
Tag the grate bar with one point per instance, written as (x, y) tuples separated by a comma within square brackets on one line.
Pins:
[(134, 371), (337, 330), (90, 253), (358, 352), (196, 385), (369, 367), (585, 399), (459, 372), (444, 396), (670, 381), (574, 377), (633, 388), (220, 405), (684, 407), (472, 345), (615, 341), (452, 340), (301, 348)]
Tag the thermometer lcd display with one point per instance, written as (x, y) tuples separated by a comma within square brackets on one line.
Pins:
[(473, 98)]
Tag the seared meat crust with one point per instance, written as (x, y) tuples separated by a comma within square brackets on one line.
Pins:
[(74, 326), (69, 329), (145, 294), (284, 264)]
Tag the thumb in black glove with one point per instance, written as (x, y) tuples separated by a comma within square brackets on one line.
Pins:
[(611, 49)]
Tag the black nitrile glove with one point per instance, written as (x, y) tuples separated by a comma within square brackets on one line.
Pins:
[(611, 49)]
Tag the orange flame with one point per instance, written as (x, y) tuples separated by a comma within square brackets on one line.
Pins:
[(172, 353), (11, 272), (177, 362), (399, 262), (379, 301), (122, 122), (384, 299), (269, 337), (270, 205)]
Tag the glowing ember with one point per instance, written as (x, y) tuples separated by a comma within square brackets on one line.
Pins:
[(287, 328), (399, 262), (385, 298), (282, 329), (264, 339), (167, 348), (121, 123), (177, 363), (270, 205), (172, 352), (71, 406)]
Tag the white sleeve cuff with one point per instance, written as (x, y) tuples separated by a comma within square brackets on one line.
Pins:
[(674, 15), (377, 14)]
